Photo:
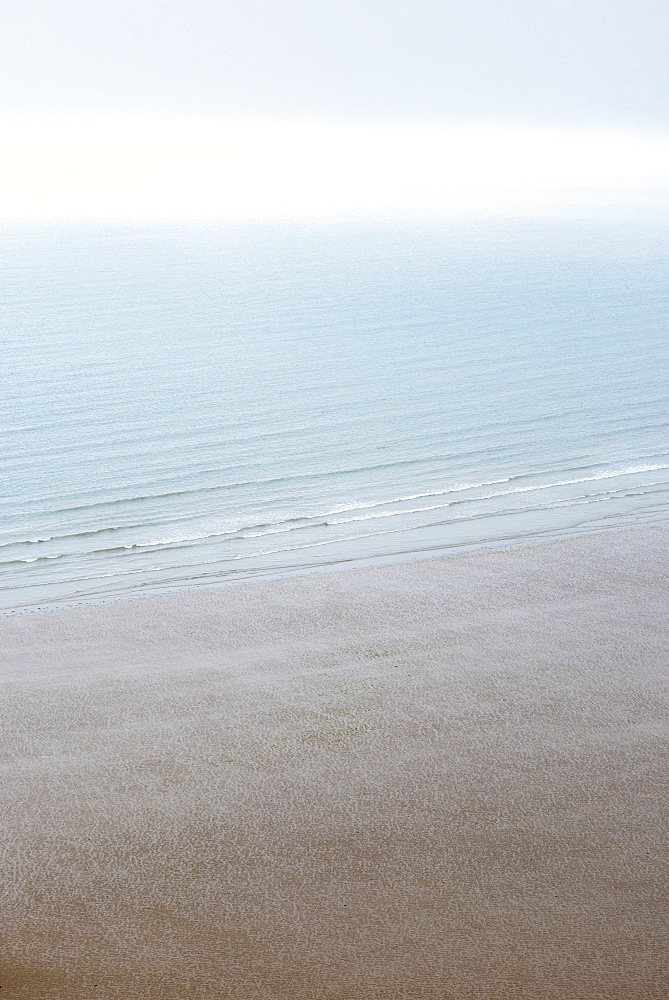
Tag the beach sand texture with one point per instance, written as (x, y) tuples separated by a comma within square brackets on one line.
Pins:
[(442, 779)]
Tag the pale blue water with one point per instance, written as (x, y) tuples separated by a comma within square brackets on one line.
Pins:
[(187, 406)]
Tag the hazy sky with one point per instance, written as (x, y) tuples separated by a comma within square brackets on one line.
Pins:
[(284, 107), (562, 62)]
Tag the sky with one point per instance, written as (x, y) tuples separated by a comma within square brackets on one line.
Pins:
[(288, 105)]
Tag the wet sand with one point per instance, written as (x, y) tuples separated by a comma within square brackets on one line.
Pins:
[(444, 779)]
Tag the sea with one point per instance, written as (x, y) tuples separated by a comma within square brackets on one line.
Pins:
[(188, 405)]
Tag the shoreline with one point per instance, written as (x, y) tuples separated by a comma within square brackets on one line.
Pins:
[(354, 563), (437, 778)]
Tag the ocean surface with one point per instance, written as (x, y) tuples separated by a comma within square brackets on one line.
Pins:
[(191, 405)]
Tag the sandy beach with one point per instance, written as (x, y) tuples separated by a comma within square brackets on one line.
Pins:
[(440, 779)]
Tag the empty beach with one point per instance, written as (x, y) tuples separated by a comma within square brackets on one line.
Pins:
[(438, 779)]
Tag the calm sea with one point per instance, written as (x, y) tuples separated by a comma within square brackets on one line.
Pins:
[(183, 406)]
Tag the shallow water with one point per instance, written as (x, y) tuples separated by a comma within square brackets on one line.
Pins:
[(190, 405)]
